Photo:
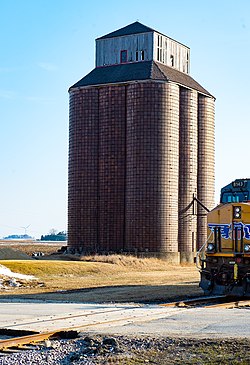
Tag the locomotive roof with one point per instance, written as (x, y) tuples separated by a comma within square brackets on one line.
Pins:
[(238, 183)]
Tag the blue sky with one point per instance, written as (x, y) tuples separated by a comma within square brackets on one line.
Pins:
[(48, 45)]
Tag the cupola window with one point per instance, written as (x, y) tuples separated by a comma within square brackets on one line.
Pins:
[(172, 60), (124, 56)]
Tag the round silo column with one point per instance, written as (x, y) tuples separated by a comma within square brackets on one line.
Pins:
[(206, 163), (170, 172), (152, 169), (187, 173), (83, 171), (112, 167)]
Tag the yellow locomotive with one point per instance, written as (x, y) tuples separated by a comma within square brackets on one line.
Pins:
[(224, 260)]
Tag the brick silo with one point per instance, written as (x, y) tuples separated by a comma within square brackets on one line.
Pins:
[(140, 147), (206, 163), (188, 153), (112, 169), (83, 179), (152, 168)]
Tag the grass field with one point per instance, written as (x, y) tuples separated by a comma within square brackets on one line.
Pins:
[(108, 278)]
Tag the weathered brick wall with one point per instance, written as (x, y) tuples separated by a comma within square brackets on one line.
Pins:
[(133, 167), (112, 164), (170, 167), (206, 163), (187, 168), (152, 167), (83, 170)]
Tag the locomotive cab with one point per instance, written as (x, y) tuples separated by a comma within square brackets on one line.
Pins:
[(224, 260)]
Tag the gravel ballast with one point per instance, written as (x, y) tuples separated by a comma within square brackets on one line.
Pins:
[(121, 350)]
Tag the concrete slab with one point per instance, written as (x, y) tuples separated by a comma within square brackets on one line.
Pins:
[(196, 322), (129, 319)]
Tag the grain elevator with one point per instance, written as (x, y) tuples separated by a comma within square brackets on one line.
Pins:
[(141, 147)]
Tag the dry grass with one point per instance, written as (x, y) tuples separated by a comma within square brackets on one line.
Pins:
[(29, 248), (128, 261), (107, 278)]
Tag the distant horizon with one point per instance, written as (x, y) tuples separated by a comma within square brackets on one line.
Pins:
[(26, 236)]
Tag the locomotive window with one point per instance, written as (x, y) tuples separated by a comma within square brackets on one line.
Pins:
[(234, 197)]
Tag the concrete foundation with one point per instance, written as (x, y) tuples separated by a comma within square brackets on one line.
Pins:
[(170, 257), (187, 257)]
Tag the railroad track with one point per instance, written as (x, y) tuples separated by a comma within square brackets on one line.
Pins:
[(208, 302), (32, 340), (20, 342)]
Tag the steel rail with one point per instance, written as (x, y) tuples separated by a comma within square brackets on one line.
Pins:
[(56, 334), (208, 302), (29, 339), (194, 301), (231, 305)]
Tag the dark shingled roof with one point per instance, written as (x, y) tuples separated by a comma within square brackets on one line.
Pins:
[(182, 78), (138, 71), (133, 28)]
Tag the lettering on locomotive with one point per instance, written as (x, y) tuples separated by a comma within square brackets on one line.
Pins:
[(227, 229)]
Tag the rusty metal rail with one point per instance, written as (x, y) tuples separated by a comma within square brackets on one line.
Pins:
[(196, 302), (208, 302), (56, 334), (232, 304), (29, 339)]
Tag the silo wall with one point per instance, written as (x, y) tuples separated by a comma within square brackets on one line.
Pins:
[(152, 169), (112, 167), (187, 173), (83, 171), (133, 168), (206, 163)]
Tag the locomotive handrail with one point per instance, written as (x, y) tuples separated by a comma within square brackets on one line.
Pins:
[(200, 255)]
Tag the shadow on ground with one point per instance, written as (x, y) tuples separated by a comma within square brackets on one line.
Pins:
[(119, 294)]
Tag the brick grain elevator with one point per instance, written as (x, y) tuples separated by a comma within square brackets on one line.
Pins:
[(141, 146)]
